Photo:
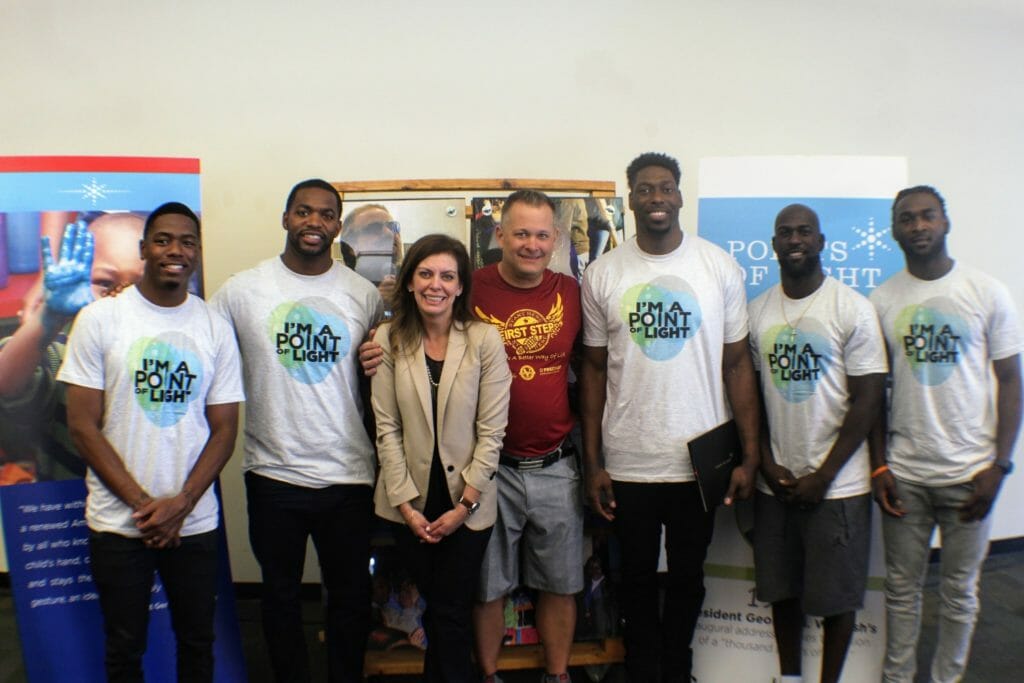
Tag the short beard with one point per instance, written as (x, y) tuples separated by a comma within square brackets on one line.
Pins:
[(303, 251), (809, 267)]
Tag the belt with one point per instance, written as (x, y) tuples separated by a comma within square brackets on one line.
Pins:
[(536, 462)]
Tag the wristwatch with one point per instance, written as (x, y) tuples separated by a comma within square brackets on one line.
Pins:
[(470, 507), (1005, 465)]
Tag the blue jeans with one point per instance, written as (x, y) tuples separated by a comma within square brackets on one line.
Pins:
[(282, 517), (122, 569), (658, 645), (907, 545)]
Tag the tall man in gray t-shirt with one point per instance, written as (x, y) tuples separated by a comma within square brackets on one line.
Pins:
[(663, 315), (308, 459)]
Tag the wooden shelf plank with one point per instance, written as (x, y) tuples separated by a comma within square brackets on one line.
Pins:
[(408, 661)]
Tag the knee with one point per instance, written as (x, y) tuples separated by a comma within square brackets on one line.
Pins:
[(901, 593), (959, 603)]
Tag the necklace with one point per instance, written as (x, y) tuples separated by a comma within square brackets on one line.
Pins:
[(782, 307), (430, 375)]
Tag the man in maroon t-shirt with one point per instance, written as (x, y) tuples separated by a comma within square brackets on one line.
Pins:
[(537, 312)]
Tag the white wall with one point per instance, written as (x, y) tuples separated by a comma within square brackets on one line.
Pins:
[(268, 94)]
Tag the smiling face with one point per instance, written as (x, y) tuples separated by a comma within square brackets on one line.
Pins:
[(312, 222), (920, 226), (798, 241), (435, 284), (171, 252), (655, 200), (527, 239)]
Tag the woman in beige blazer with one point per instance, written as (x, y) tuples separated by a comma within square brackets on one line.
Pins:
[(441, 401)]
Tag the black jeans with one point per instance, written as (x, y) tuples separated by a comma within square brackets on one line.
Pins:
[(282, 517), (122, 569), (447, 575), (658, 646)]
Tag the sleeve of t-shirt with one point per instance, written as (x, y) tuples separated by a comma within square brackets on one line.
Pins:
[(734, 298), (595, 323), (375, 305), (83, 360), (226, 386), (864, 352), (1003, 329), (220, 302)]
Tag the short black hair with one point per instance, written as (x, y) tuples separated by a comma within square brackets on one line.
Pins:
[(166, 208), (317, 183), (652, 159), (917, 189), (534, 198)]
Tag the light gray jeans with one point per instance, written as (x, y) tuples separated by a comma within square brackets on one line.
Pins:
[(907, 544)]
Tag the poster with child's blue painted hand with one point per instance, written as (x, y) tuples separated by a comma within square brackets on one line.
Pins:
[(69, 235)]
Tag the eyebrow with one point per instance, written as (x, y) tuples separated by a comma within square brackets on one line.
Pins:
[(165, 233)]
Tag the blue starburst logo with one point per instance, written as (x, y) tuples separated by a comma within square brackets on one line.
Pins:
[(871, 239), (94, 191)]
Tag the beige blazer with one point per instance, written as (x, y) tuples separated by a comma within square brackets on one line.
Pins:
[(472, 411)]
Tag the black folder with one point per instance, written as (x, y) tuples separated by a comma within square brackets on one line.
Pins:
[(714, 454)]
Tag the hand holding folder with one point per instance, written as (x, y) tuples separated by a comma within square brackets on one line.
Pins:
[(714, 455)]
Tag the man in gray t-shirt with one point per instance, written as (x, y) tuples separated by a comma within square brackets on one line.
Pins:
[(665, 358), (309, 468), (153, 386), (955, 342), (822, 370)]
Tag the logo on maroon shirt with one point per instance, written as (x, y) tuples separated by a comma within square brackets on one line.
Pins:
[(528, 331)]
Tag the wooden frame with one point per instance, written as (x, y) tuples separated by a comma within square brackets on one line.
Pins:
[(593, 188)]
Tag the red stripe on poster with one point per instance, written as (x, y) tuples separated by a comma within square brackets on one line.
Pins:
[(16, 164)]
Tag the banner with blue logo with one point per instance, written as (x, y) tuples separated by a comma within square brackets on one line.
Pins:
[(740, 197)]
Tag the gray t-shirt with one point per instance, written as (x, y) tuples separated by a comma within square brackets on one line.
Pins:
[(159, 367), (664, 320), (943, 336), (299, 335), (804, 375)]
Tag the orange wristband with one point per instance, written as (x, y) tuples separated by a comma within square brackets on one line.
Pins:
[(880, 470)]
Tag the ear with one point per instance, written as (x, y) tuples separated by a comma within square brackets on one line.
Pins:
[(284, 220), (142, 245)]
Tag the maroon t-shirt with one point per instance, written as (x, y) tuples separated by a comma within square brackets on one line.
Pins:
[(539, 326)]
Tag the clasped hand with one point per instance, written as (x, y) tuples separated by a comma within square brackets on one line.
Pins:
[(436, 531)]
